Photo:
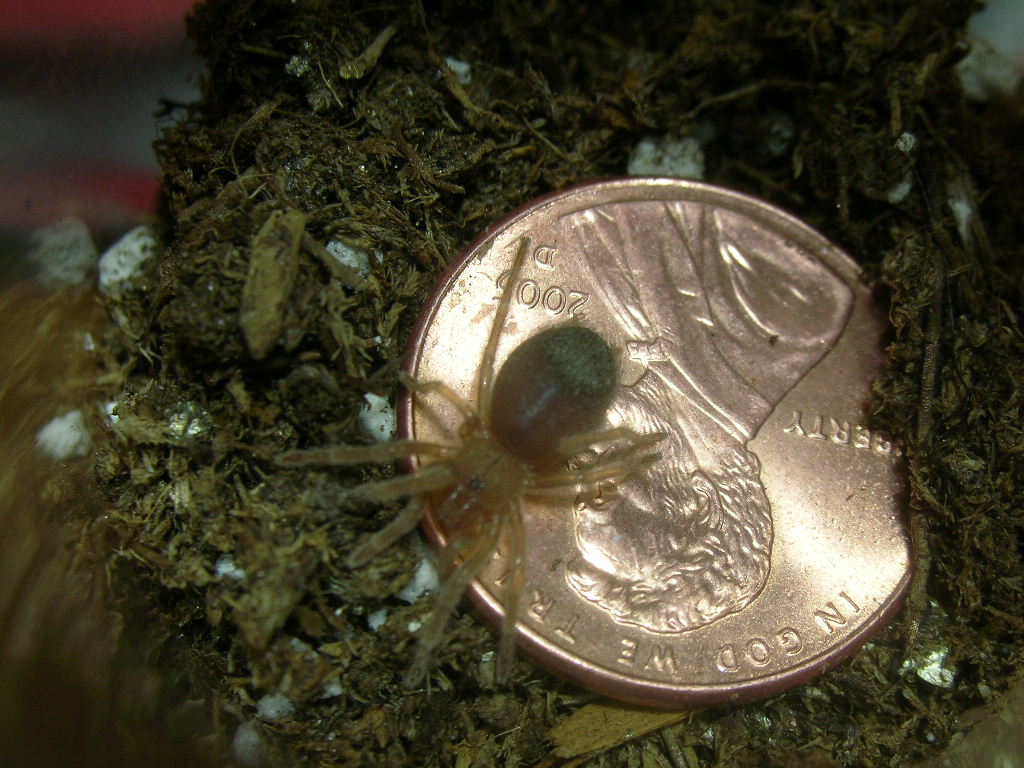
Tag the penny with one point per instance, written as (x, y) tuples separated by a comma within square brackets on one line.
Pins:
[(769, 541)]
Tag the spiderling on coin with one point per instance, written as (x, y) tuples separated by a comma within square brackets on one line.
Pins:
[(548, 402)]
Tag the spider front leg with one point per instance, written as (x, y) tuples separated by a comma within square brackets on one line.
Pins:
[(430, 478), (485, 372)]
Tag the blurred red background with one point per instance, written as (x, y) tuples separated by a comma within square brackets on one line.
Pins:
[(81, 86)]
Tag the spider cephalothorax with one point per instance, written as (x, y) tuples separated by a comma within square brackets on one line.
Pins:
[(547, 403)]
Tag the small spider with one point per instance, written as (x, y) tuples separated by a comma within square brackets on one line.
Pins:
[(546, 404)]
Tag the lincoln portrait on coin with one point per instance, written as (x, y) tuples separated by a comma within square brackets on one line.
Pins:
[(720, 317)]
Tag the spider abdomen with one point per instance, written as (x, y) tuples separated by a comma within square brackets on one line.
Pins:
[(557, 383)]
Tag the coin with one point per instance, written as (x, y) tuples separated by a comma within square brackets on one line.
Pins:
[(769, 541)]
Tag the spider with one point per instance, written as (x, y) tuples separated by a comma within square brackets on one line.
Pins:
[(546, 404)]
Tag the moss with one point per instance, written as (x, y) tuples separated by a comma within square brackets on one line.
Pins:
[(349, 114)]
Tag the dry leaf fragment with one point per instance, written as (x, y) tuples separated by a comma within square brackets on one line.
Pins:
[(363, 63), (273, 264), (597, 727)]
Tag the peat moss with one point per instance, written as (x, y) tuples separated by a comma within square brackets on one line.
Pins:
[(347, 118)]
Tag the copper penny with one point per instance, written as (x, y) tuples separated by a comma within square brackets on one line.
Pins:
[(769, 542)]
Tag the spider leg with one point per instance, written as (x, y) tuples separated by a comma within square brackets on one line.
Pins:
[(617, 469), (430, 478), (513, 591), (455, 513), (576, 443), (442, 389), (447, 599), (342, 455), (406, 521), (485, 374)]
